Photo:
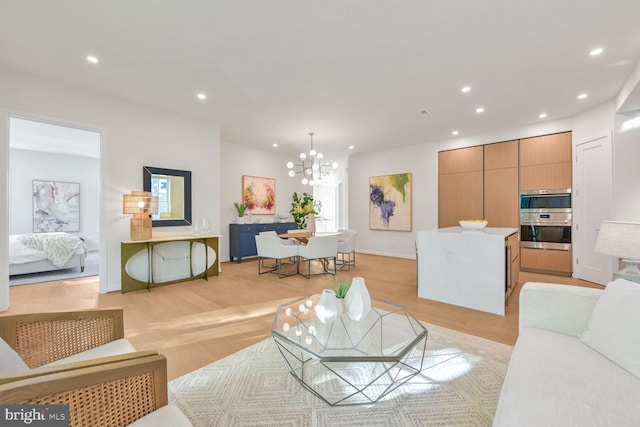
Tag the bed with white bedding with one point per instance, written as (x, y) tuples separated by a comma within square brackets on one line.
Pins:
[(34, 253)]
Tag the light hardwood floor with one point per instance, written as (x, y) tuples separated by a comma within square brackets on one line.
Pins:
[(195, 323)]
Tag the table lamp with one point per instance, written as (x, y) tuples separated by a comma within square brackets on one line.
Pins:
[(622, 240), (140, 204)]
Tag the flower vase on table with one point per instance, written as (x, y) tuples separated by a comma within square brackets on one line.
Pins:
[(357, 301), (329, 307), (311, 224)]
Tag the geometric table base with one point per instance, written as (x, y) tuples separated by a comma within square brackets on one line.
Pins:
[(348, 362), (351, 383)]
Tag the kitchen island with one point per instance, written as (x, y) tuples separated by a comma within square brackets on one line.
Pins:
[(470, 268)]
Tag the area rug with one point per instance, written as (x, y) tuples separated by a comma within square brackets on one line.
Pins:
[(91, 268), (459, 386)]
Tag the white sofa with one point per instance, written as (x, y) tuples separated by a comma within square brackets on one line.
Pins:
[(577, 358)]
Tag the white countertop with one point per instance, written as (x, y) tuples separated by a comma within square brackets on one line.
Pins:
[(490, 231)]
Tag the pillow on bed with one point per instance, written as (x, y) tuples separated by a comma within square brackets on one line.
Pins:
[(614, 328), (10, 361)]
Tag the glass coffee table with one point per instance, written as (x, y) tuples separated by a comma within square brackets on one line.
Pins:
[(347, 362)]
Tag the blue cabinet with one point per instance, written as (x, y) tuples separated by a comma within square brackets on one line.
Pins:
[(242, 242)]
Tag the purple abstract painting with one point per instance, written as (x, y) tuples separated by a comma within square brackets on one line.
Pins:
[(390, 202)]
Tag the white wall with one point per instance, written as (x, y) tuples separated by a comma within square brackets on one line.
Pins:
[(132, 135), (26, 166), (593, 123), (239, 160), (422, 161), (626, 172), (4, 218)]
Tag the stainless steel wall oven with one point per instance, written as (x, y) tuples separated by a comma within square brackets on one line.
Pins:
[(546, 219)]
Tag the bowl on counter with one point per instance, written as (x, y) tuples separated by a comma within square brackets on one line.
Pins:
[(473, 224)]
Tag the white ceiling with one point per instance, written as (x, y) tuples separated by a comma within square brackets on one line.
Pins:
[(355, 72)]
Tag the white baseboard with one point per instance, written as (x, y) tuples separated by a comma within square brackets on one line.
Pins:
[(389, 254)]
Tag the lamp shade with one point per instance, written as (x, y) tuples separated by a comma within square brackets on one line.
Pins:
[(620, 239), (139, 202), (141, 205)]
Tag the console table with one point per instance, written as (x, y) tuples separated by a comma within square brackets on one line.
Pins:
[(165, 260), (242, 242)]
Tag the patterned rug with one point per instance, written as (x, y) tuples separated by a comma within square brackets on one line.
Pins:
[(459, 386)]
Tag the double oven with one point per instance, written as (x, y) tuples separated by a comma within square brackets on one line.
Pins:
[(545, 219)]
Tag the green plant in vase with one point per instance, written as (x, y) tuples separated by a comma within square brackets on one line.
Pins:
[(301, 206), (342, 286), (240, 208)]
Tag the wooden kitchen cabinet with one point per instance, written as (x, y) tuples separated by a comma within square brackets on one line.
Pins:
[(542, 150), (546, 261), (545, 162), (513, 250), (501, 155), (461, 160), (501, 196), (460, 185)]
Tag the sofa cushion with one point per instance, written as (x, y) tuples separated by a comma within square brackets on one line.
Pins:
[(614, 327), (10, 361), (112, 348), (555, 380), (168, 415)]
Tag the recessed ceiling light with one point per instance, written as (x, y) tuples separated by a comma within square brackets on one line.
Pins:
[(202, 96), (351, 147), (597, 51), (582, 96), (480, 110), (275, 145), (466, 89), (542, 115), (92, 59), (455, 132)]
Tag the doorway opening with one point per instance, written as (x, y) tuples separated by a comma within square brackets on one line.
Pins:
[(54, 187)]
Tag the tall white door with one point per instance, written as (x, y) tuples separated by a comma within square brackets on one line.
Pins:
[(593, 203)]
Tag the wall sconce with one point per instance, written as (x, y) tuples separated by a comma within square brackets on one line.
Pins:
[(622, 240), (142, 205)]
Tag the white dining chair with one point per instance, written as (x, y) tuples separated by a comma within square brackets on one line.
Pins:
[(322, 248), (270, 247), (347, 251), (275, 234)]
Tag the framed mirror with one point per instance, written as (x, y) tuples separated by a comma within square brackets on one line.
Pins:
[(173, 188)]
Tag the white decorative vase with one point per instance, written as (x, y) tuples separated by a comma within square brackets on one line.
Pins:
[(328, 308), (240, 220), (357, 302), (311, 224)]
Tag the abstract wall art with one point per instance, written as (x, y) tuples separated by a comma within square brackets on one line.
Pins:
[(259, 194), (56, 206), (390, 202)]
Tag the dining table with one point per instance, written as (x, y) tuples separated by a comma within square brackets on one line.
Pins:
[(303, 236)]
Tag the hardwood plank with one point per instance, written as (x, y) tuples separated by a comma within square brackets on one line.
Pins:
[(195, 323)]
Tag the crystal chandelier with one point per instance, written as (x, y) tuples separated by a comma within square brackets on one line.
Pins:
[(311, 167)]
